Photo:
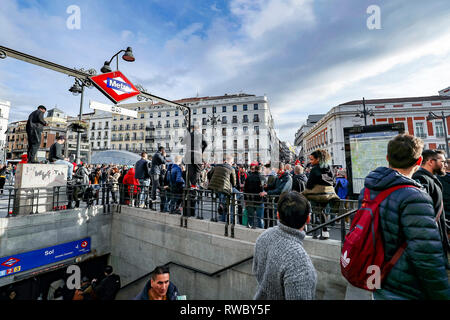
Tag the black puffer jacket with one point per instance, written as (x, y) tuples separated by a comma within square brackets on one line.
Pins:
[(433, 187), (408, 215), (320, 176)]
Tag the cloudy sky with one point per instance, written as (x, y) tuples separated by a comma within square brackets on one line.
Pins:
[(305, 55)]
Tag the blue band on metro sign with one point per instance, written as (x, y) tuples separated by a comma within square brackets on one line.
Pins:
[(29, 260)]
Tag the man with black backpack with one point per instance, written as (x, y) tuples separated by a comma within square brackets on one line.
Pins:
[(108, 287), (411, 263)]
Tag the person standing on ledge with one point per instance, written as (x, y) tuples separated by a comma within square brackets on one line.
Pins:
[(34, 128)]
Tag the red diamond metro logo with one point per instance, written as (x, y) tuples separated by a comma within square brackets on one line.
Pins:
[(10, 262), (115, 86)]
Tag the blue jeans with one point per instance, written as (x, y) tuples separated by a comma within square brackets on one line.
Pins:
[(223, 201), (259, 209), (144, 184), (69, 170)]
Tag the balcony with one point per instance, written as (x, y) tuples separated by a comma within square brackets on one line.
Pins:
[(167, 126), (176, 125), (159, 126), (245, 121), (153, 137), (256, 120)]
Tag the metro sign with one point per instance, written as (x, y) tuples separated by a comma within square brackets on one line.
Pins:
[(10, 262), (115, 86)]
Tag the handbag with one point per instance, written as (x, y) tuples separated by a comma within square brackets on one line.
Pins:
[(321, 193)]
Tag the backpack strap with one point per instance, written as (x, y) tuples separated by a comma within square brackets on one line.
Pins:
[(391, 263)]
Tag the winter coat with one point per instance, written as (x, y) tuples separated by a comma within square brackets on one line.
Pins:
[(131, 181), (223, 178), (254, 185), (320, 176), (172, 292), (157, 160), (176, 180), (282, 184), (113, 179), (445, 181), (299, 182), (408, 215), (433, 187), (341, 187), (142, 169)]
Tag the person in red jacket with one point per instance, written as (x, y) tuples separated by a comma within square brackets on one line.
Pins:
[(24, 158), (133, 186)]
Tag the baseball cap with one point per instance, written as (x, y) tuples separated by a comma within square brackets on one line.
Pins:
[(254, 163)]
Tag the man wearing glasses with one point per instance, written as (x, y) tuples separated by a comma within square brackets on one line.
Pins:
[(433, 165)]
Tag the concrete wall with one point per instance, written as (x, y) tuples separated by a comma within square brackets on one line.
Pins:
[(143, 239), (27, 233)]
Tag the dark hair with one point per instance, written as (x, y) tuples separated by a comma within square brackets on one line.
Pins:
[(161, 148), (430, 154), (42, 107), (322, 155), (61, 138), (404, 150), (293, 209), (159, 270), (108, 269), (143, 153)]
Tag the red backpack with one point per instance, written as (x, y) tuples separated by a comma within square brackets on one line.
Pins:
[(363, 245)]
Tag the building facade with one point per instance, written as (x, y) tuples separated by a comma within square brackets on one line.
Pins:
[(240, 125), (328, 132), (299, 135)]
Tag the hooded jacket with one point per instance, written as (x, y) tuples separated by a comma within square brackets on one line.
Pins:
[(172, 292), (408, 215), (131, 181), (299, 182), (320, 176)]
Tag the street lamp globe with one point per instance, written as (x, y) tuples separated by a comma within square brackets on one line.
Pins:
[(128, 56), (106, 68)]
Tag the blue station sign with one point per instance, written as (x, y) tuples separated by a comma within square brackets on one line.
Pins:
[(29, 260)]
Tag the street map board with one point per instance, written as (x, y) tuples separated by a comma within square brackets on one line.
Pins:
[(365, 150)]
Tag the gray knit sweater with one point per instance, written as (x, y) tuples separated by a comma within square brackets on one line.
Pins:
[(282, 267)]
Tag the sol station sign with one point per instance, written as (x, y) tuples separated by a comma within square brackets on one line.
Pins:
[(115, 86)]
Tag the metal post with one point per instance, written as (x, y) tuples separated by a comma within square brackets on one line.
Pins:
[(79, 118), (365, 112)]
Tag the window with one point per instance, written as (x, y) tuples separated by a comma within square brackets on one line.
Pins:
[(194, 111), (439, 129), (106, 124), (235, 119), (255, 118), (203, 131), (245, 118), (224, 119), (234, 130), (244, 107), (224, 144), (204, 110), (224, 109), (246, 144), (159, 114), (224, 132), (245, 129), (127, 146), (151, 114), (419, 130), (168, 114), (142, 115), (234, 108), (214, 109), (255, 106), (204, 121), (256, 129), (176, 113)]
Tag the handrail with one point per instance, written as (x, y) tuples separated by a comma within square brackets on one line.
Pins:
[(342, 216), (209, 274)]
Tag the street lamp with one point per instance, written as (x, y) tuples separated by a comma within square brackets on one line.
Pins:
[(364, 113), (76, 89), (128, 56), (433, 116), (214, 120)]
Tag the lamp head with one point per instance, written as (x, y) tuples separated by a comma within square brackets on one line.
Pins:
[(128, 56), (106, 68), (75, 89)]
